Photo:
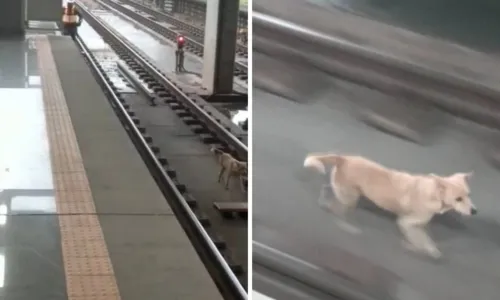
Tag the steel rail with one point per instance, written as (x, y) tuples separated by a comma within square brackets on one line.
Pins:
[(377, 70)]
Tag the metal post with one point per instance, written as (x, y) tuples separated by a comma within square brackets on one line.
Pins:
[(160, 4), (220, 45), (175, 6), (179, 61)]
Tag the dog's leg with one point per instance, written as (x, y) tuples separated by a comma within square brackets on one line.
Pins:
[(229, 174), (242, 184), (347, 197), (347, 200), (417, 239), (330, 204), (429, 245), (228, 177), (222, 169), (324, 201), (408, 225), (411, 241)]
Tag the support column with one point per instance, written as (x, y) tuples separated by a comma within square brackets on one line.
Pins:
[(175, 6), (12, 53), (44, 10), (160, 4), (221, 25), (12, 14)]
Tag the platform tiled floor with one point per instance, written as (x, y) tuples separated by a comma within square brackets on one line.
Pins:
[(91, 275), (30, 266), (69, 183)]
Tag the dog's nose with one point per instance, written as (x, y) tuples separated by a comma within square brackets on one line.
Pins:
[(473, 211)]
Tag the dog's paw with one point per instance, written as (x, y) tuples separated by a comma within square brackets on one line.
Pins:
[(348, 227), (325, 206), (410, 247), (434, 252), (430, 251)]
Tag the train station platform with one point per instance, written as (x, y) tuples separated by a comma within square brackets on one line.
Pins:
[(173, 137), (80, 215)]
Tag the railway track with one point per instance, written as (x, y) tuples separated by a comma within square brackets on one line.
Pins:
[(192, 45), (190, 30), (202, 119), (377, 71)]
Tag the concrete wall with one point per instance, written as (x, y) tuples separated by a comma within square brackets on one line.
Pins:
[(44, 10), (11, 17), (13, 14), (12, 59)]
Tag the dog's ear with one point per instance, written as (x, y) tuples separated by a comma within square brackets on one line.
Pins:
[(468, 175), (465, 177)]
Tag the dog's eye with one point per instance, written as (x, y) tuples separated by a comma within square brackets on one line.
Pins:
[(459, 199)]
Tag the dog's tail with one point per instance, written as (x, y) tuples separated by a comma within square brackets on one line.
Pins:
[(216, 151), (318, 160)]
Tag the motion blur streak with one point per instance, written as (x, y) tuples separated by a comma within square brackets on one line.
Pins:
[(299, 109)]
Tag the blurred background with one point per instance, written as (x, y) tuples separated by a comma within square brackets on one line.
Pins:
[(409, 84)]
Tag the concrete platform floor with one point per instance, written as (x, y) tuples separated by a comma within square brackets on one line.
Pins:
[(80, 215)]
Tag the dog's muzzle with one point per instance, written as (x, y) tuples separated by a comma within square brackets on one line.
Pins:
[(473, 211)]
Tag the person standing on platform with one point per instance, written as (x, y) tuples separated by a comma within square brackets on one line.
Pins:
[(71, 19)]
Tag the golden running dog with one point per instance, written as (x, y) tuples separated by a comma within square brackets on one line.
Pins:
[(414, 198), (231, 166)]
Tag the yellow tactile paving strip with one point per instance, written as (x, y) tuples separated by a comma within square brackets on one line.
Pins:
[(88, 269)]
